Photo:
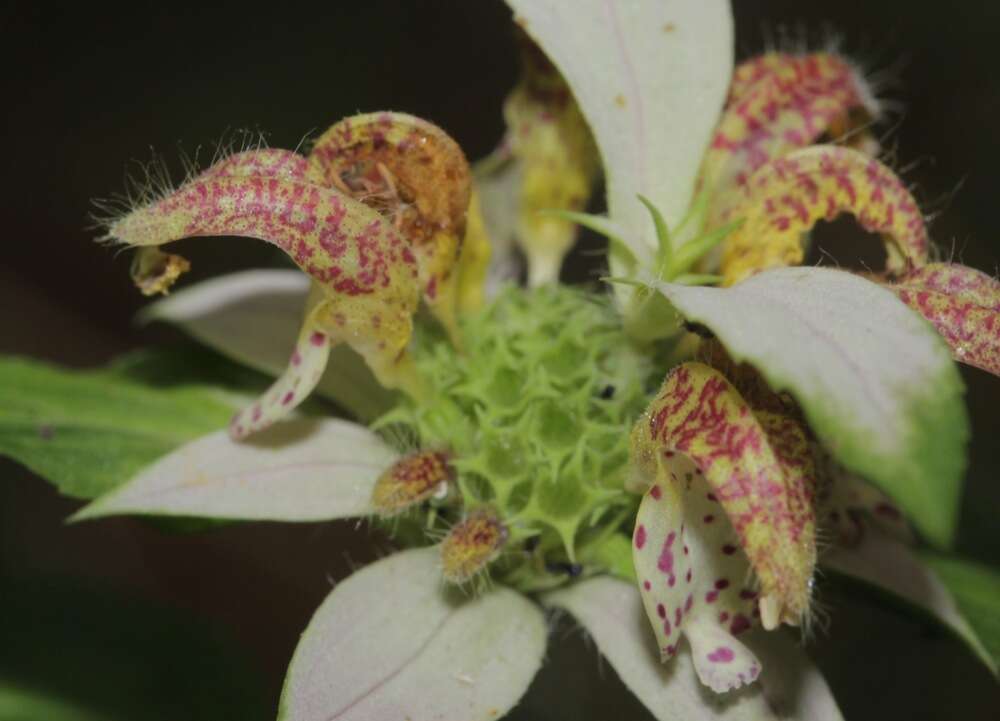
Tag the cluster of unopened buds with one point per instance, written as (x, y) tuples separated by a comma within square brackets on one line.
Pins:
[(546, 437)]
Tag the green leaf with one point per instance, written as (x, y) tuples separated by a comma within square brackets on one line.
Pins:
[(89, 431), (297, 470), (698, 279), (692, 251), (665, 248), (393, 642), (976, 589), (18, 704), (650, 78), (189, 363), (876, 382), (611, 612)]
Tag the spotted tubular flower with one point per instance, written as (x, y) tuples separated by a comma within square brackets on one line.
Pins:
[(367, 264), (759, 169), (963, 304), (416, 175), (551, 448)]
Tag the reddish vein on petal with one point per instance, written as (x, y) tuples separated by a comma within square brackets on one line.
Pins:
[(689, 588), (963, 304), (780, 102), (416, 176), (788, 196)]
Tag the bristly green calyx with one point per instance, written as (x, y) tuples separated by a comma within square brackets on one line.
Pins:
[(531, 415)]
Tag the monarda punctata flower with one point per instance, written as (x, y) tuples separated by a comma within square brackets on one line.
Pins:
[(669, 445)]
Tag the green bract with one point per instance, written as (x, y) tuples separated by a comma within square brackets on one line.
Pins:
[(532, 410), (89, 431)]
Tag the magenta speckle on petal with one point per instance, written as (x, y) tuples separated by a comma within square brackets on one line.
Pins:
[(647, 585), (739, 624), (317, 338), (666, 561), (640, 536), (661, 610), (656, 492), (723, 654), (288, 398)]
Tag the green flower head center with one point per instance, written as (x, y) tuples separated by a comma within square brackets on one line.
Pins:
[(535, 411)]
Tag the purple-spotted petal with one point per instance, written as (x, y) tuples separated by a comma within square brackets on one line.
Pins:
[(692, 577), (253, 317), (263, 163), (416, 176), (611, 612), (302, 375), (726, 485), (787, 196), (780, 102), (363, 269)]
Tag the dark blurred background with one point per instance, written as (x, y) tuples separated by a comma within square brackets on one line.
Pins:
[(89, 89)]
